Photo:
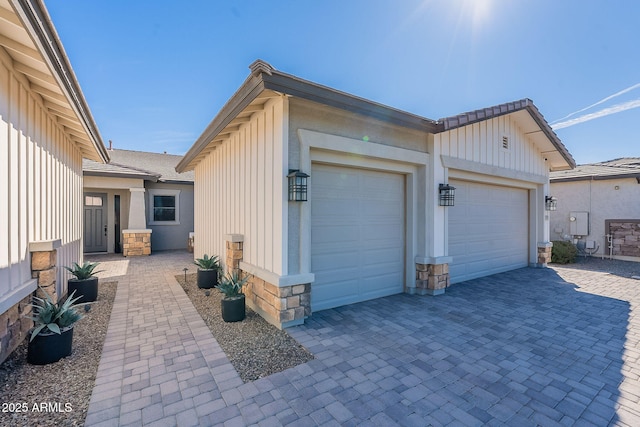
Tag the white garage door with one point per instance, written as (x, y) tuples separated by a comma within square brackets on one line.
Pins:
[(357, 235), (488, 230)]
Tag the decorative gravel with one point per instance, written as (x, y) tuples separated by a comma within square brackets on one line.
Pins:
[(57, 394), (255, 347)]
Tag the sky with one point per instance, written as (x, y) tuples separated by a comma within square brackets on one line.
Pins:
[(156, 73)]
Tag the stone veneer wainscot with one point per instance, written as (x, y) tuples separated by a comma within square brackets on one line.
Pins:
[(136, 242)]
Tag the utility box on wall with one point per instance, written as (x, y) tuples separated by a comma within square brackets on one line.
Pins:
[(579, 223)]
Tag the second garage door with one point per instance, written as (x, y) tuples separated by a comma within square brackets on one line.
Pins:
[(488, 230), (357, 235)]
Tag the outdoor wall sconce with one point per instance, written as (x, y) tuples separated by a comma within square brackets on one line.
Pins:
[(447, 195), (297, 185), (550, 203)]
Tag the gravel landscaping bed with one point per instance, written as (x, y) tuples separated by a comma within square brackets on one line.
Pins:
[(68, 381), (254, 347)]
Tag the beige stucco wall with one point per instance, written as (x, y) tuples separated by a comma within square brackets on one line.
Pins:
[(601, 200)]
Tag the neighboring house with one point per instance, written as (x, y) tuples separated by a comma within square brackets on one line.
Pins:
[(46, 129), (137, 193), (598, 208), (372, 225)]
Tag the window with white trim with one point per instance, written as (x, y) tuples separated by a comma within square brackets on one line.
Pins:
[(164, 207)]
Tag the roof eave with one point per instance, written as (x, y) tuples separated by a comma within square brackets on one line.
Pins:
[(596, 177), (264, 77), (38, 24)]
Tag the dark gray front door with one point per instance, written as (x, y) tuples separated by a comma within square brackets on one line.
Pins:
[(95, 222)]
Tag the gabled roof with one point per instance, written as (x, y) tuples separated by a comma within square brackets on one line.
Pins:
[(265, 82), (534, 125), (626, 167), (30, 40), (139, 164)]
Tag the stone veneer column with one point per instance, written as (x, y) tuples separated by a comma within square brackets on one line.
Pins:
[(233, 254), (279, 305), (544, 253), (136, 242), (432, 279), (14, 325)]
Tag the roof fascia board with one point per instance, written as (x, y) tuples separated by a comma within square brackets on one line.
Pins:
[(40, 28), (596, 177), (294, 86), (249, 91), (120, 175), (548, 131)]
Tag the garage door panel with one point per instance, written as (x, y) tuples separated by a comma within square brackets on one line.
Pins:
[(488, 230), (357, 235)]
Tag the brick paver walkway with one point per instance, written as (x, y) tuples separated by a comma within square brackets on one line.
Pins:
[(528, 347)]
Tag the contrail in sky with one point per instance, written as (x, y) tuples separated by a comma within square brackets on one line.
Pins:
[(622, 92), (601, 113)]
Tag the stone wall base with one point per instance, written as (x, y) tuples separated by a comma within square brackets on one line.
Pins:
[(432, 279), (136, 243), (282, 306), (14, 327)]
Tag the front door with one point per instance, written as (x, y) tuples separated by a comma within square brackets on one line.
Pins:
[(95, 222)]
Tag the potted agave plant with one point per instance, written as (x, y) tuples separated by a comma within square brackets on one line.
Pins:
[(52, 333), (233, 308), (84, 284), (208, 268)]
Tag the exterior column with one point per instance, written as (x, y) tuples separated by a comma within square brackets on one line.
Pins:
[(136, 240), (14, 325), (282, 305), (44, 257), (432, 279), (544, 253)]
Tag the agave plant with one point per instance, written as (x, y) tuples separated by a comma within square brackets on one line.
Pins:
[(84, 271), (51, 317), (208, 263), (231, 285)]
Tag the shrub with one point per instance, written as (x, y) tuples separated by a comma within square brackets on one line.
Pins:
[(563, 252)]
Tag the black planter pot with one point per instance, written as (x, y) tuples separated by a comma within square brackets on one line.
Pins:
[(207, 279), (233, 309), (50, 347), (87, 289)]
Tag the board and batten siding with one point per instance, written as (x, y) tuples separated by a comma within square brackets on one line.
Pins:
[(482, 143), (40, 189), (240, 189)]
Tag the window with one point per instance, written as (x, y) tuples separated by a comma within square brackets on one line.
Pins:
[(92, 201), (165, 207)]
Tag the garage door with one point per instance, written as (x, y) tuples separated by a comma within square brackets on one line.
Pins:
[(357, 235), (488, 230)]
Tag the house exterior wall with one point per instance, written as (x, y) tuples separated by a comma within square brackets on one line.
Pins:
[(112, 187), (476, 153), (171, 236), (40, 189), (372, 134), (240, 189), (601, 200)]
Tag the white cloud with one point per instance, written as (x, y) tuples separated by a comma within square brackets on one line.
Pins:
[(603, 100), (618, 108)]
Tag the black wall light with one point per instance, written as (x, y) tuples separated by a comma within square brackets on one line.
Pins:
[(550, 203), (297, 185), (447, 195)]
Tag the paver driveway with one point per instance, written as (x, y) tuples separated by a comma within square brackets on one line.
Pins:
[(528, 347)]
